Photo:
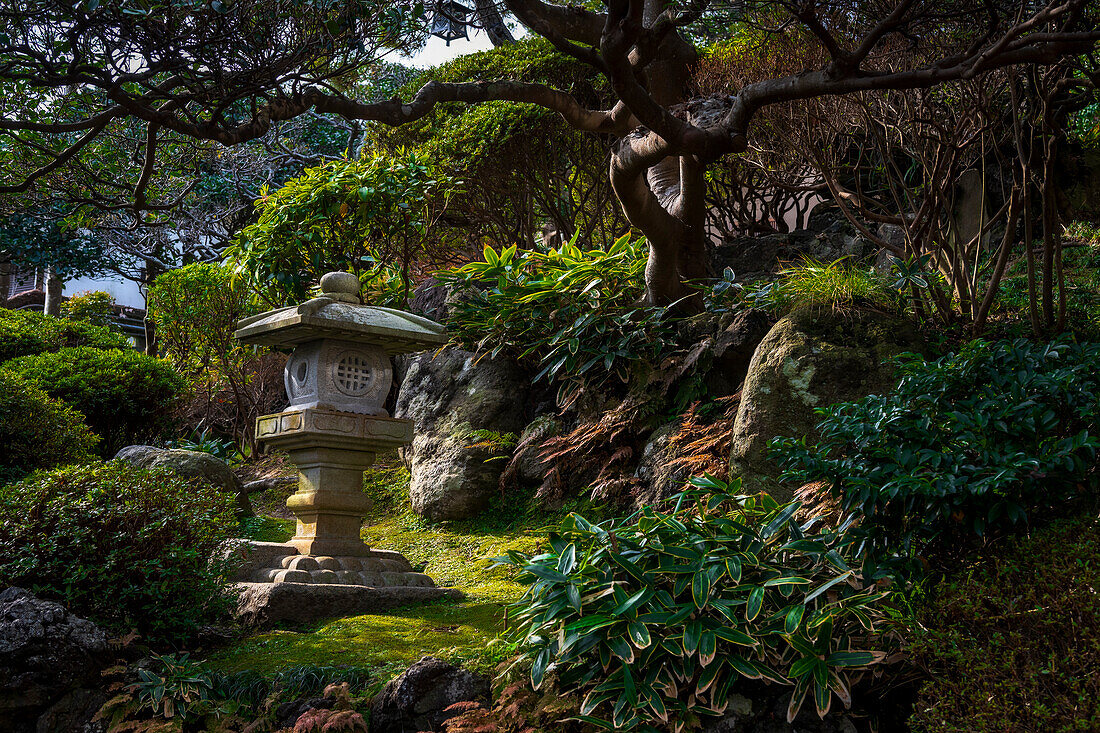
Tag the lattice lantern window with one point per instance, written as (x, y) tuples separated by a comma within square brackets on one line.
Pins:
[(339, 375)]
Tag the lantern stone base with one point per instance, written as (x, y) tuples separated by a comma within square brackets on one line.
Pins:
[(282, 562), (265, 604), (278, 583)]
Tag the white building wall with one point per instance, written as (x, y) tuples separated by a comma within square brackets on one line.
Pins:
[(124, 292)]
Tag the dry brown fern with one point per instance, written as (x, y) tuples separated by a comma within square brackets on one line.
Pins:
[(702, 444), (817, 502), (597, 453)]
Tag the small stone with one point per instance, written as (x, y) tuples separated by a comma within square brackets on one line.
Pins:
[(373, 565), (285, 562), (303, 562), (324, 576), (418, 699), (292, 576), (739, 705), (328, 563), (351, 563), (371, 578), (392, 579)]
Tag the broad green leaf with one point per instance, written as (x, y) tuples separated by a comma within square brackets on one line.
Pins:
[(756, 602)]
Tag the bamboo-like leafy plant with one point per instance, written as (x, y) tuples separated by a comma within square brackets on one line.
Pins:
[(573, 311), (657, 618)]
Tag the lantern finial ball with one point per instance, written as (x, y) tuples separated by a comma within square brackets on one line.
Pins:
[(341, 286)]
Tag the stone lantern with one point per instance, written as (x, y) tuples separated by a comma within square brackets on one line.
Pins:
[(337, 378)]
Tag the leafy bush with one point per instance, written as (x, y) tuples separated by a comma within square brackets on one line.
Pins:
[(346, 214), (659, 616), (1012, 643), (572, 310), (37, 431), (966, 445), (25, 332), (92, 307), (127, 547), (123, 395), (196, 309)]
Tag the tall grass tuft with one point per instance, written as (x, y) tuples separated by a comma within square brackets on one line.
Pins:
[(836, 285)]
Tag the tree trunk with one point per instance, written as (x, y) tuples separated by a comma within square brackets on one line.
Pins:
[(491, 21), (5, 282), (53, 288)]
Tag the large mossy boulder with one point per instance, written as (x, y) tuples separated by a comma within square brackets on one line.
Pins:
[(812, 358), (190, 464), (463, 409)]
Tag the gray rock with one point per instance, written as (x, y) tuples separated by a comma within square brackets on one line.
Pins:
[(287, 714), (761, 257), (659, 479), (265, 604), (417, 698), (448, 395), (733, 349), (189, 464), (73, 713), (45, 652), (810, 359)]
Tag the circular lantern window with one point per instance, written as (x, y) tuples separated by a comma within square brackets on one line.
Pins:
[(353, 374)]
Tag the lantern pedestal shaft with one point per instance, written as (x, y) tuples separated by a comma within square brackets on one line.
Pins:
[(330, 503), (331, 449)]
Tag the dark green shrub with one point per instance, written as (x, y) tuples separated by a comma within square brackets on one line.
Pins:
[(1012, 643), (26, 332), (93, 306), (37, 431), (659, 616), (124, 395), (127, 547), (966, 445)]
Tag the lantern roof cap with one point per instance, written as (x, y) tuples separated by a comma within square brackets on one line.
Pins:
[(337, 314)]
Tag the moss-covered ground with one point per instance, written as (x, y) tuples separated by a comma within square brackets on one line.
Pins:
[(455, 554)]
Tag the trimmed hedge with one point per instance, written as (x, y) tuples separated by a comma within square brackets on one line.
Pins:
[(37, 431), (127, 547), (23, 333), (124, 395)]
